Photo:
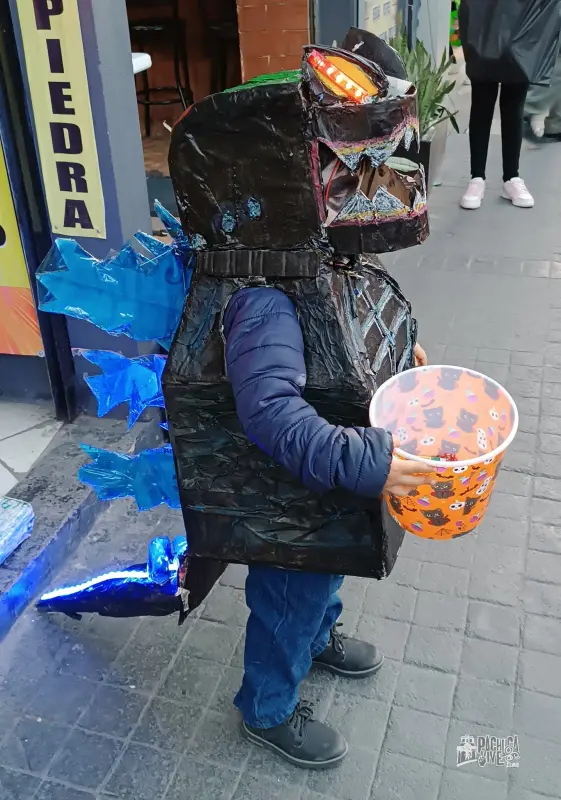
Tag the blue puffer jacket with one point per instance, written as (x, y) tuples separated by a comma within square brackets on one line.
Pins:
[(266, 367)]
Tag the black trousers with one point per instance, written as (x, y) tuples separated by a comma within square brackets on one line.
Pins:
[(483, 101)]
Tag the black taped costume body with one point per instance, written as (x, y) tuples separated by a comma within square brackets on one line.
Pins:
[(283, 184)]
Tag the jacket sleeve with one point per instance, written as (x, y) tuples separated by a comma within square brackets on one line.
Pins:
[(266, 368)]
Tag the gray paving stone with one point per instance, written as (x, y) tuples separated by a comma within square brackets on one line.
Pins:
[(543, 634), (264, 762), (493, 622), (263, 787), (362, 722), (57, 791), (318, 694), (434, 649), (502, 531), (525, 794), (497, 587), (390, 600), (238, 657), (468, 786), (539, 766), (234, 576), (507, 506), (550, 424), (438, 611), (489, 661), (85, 759), (513, 483), (547, 488), (380, 686), (417, 734), (527, 359), (544, 567), (219, 739), (91, 659), (226, 605), (31, 745), (192, 680), (542, 598), (491, 557), (547, 466), (540, 672), (414, 547), (213, 641), (140, 667), (529, 423), (538, 715), (353, 592), (457, 553), (227, 688), (158, 632), (546, 538), (16, 785), (519, 461), (483, 702), (169, 724), (198, 779), (142, 773), (62, 698), (351, 781), (401, 778), (443, 578), (113, 711), (425, 690), (405, 571), (391, 633)]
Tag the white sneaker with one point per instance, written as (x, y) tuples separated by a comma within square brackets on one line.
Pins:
[(474, 194), (515, 190), (537, 124)]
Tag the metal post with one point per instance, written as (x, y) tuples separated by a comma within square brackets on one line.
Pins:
[(410, 24)]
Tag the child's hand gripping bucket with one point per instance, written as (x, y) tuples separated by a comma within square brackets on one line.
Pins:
[(461, 422)]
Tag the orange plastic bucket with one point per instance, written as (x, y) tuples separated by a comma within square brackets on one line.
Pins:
[(461, 422)]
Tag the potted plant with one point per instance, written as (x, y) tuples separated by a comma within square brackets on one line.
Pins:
[(433, 88)]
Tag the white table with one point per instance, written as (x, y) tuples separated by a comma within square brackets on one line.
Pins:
[(140, 62)]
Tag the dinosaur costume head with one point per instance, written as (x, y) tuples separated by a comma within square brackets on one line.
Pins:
[(322, 160)]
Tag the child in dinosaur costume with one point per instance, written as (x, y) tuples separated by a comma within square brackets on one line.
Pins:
[(288, 186)]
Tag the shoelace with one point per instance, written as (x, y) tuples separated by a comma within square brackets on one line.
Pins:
[(300, 717), (337, 639)]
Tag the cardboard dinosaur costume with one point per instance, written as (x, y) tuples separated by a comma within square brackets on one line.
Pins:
[(294, 181), (289, 185)]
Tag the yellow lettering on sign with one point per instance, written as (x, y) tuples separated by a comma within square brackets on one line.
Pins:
[(19, 329), (58, 83)]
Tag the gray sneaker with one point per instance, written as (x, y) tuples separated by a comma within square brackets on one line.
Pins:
[(302, 740)]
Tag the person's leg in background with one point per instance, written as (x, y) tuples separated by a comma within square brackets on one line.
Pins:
[(542, 103), (483, 101), (513, 97), (552, 128), (292, 620)]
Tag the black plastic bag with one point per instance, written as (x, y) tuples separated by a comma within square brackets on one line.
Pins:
[(510, 41)]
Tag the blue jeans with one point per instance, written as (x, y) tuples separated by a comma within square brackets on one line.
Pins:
[(291, 616)]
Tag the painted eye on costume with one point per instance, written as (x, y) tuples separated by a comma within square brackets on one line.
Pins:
[(457, 506), (459, 470), (343, 77)]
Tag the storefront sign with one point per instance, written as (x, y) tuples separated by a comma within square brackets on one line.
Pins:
[(19, 329), (58, 82)]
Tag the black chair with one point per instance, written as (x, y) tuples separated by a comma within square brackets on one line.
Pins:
[(155, 31), (221, 25)]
